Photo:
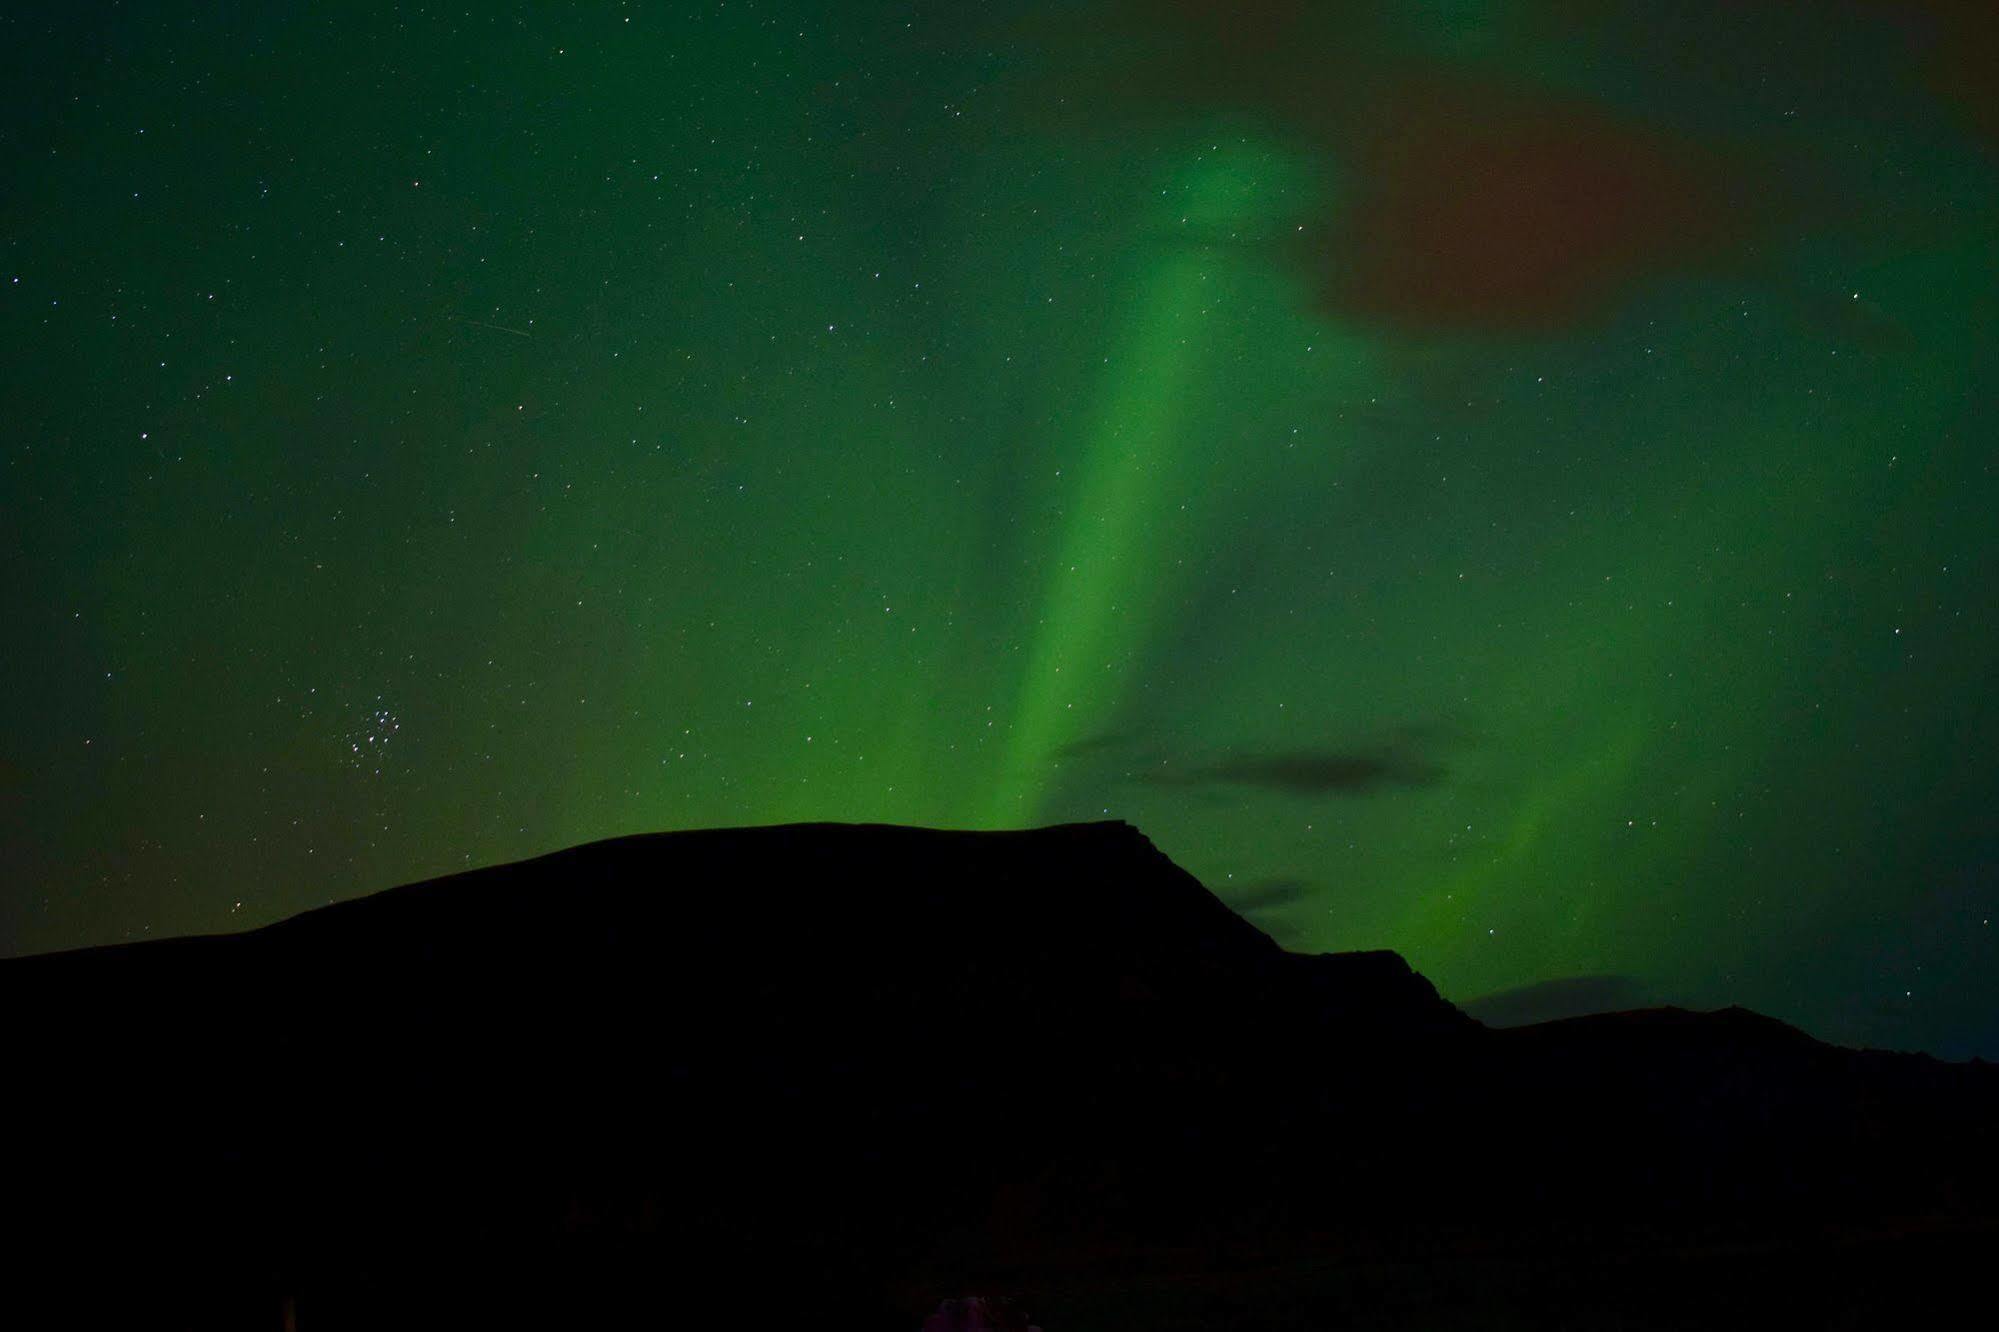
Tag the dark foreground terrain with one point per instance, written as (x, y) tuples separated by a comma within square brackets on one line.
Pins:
[(826, 1076)]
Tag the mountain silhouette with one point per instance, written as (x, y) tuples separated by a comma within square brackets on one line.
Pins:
[(834, 1075)]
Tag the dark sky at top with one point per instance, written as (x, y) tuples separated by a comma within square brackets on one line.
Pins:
[(1510, 482)]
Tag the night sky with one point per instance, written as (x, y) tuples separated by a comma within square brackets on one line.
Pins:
[(1512, 482)]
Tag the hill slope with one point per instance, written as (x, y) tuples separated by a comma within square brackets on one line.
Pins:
[(873, 1066)]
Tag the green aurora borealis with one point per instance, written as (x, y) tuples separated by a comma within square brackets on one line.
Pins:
[(1508, 482)]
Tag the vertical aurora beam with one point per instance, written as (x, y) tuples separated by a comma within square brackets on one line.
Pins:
[(1103, 585)]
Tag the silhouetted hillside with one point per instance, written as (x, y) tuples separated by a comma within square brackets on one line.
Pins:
[(845, 1072)]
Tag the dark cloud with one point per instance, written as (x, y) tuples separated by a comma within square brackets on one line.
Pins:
[(1266, 894), (1308, 772), (1563, 997)]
